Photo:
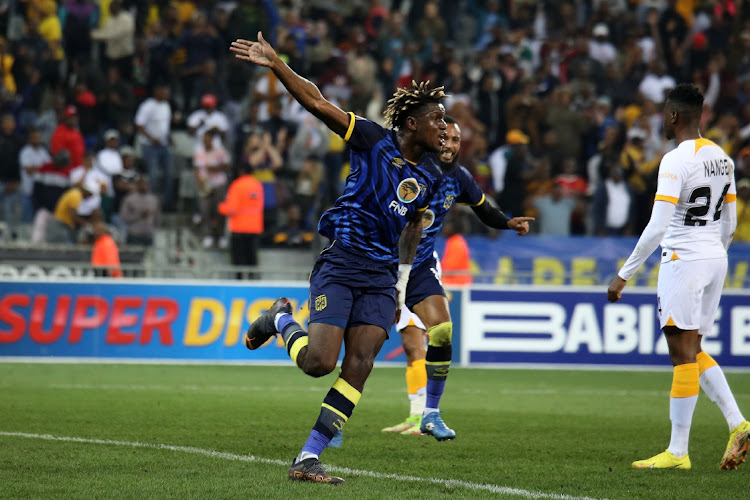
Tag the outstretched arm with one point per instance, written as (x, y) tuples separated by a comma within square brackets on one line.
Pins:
[(493, 217), (303, 90)]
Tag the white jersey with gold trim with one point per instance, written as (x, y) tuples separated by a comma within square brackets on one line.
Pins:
[(698, 177)]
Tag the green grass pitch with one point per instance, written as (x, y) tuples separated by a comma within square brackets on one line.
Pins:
[(195, 431)]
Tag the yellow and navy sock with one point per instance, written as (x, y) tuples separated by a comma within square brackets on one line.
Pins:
[(294, 336), (438, 362), (336, 409)]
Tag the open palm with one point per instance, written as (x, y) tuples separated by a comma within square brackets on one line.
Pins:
[(260, 52)]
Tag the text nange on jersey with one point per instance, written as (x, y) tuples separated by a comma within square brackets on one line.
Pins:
[(698, 177)]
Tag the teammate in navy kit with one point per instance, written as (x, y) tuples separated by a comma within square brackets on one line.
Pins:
[(422, 290), (352, 286)]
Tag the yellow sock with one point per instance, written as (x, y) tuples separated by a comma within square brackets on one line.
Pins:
[(705, 361), (416, 376), (685, 381)]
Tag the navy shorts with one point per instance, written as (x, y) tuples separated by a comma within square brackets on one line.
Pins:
[(348, 289), (424, 281)]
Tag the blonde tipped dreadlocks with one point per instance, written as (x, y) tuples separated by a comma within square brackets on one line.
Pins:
[(406, 101)]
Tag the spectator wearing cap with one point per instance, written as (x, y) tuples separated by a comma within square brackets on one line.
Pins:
[(211, 164), (109, 162), (80, 175), (498, 159), (208, 118), (62, 227), (10, 174), (141, 214), (640, 173), (123, 184), (67, 137), (600, 48), (118, 35), (603, 117), (53, 179), (153, 122), (510, 171)]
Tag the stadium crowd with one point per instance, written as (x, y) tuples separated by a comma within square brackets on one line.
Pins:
[(120, 110)]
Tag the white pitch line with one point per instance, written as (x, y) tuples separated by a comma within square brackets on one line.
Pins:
[(258, 388), (454, 483)]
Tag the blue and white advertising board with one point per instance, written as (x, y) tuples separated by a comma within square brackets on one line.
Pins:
[(538, 326)]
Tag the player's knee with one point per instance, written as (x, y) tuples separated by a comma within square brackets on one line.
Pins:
[(317, 367), (441, 335)]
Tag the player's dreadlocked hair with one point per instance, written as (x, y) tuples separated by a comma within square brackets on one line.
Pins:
[(406, 101)]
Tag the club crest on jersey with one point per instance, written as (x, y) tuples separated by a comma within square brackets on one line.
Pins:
[(448, 201), (408, 190), (428, 218), (398, 162)]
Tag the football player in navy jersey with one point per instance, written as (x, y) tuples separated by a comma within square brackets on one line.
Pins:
[(423, 293), (352, 285)]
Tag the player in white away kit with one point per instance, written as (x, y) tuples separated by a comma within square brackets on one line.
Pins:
[(694, 216)]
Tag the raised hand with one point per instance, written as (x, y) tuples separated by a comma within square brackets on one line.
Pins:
[(260, 52), (520, 224)]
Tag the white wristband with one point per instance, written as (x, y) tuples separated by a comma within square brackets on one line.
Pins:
[(403, 279), (403, 271)]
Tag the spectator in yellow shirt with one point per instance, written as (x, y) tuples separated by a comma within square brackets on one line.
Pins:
[(50, 28), (62, 227)]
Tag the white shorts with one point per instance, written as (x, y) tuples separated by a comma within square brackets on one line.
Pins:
[(408, 318), (688, 293)]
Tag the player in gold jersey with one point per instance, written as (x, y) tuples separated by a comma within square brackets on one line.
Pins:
[(694, 217)]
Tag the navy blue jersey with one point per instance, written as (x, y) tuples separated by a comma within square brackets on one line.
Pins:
[(456, 186), (383, 191)]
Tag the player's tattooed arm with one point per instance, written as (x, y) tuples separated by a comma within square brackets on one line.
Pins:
[(409, 240), (302, 89), (407, 251)]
